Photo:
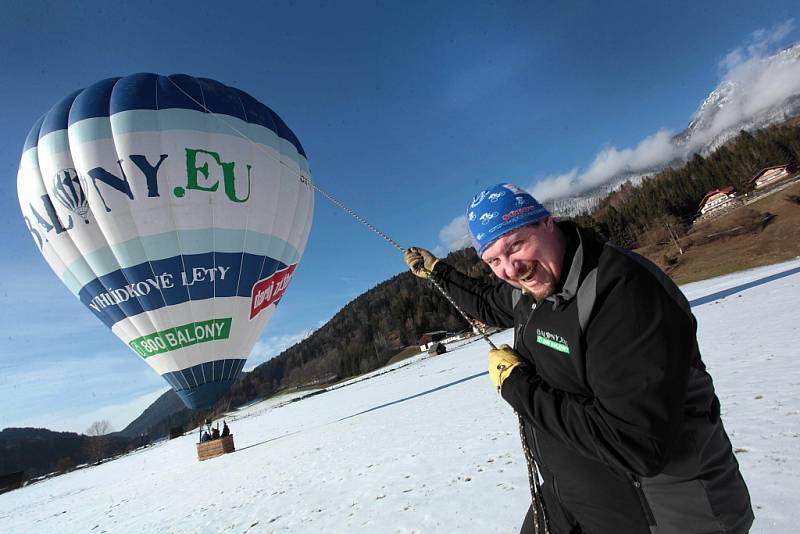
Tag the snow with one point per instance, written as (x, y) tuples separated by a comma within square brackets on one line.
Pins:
[(427, 445)]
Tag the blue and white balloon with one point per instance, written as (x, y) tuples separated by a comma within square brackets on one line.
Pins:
[(176, 209)]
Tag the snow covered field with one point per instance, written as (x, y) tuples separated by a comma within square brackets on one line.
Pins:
[(427, 445)]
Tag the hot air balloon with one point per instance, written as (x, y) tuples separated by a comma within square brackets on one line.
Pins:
[(176, 209)]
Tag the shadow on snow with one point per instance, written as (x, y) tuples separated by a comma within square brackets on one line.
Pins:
[(693, 303), (741, 287)]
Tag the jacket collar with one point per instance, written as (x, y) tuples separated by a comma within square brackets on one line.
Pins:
[(574, 257)]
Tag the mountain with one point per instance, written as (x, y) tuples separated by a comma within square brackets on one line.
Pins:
[(37, 451), (761, 96), (166, 412), (362, 336), (738, 104), (589, 200)]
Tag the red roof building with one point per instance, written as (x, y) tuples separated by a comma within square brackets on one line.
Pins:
[(770, 175), (717, 199)]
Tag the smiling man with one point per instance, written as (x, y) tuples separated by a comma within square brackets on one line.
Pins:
[(618, 411)]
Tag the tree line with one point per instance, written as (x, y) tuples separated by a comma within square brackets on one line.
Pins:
[(672, 196), (362, 336), (38, 451), (368, 331)]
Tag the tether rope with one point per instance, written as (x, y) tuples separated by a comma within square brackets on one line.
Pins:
[(533, 480)]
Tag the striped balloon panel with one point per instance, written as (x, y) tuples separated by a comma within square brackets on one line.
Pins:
[(162, 203)]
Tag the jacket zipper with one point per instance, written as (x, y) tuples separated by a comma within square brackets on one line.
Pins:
[(648, 512), (517, 337)]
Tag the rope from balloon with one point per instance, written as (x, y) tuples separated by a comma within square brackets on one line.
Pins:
[(533, 480), (533, 476)]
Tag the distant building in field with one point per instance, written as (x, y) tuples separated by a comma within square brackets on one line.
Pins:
[(428, 338), (771, 175), (718, 200)]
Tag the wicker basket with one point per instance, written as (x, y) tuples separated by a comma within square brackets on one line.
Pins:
[(215, 447)]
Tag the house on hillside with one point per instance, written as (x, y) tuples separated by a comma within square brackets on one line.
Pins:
[(429, 338), (718, 200), (771, 175)]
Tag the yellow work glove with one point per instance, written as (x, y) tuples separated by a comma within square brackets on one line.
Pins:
[(420, 261), (501, 362)]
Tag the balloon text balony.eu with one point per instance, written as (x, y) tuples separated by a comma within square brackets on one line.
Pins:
[(176, 209)]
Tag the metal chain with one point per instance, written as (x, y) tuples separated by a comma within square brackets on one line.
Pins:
[(356, 216), (396, 245), (533, 477), (532, 474), (480, 331), (533, 481)]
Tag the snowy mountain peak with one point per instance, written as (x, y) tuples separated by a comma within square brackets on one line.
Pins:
[(716, 100), (755, 93)]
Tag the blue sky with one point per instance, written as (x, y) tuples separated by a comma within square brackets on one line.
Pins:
[(405, 109)]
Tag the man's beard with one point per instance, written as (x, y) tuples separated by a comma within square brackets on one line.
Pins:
[(543, 291), (545, 286)]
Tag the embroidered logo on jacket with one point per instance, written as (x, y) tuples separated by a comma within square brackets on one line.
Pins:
[(554, 341)]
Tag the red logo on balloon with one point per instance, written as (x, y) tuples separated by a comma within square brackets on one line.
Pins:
[(270, 289)]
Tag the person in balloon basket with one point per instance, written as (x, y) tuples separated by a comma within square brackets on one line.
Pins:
[(616, 406)]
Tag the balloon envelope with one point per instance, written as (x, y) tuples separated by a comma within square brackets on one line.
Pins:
[(176, 209)]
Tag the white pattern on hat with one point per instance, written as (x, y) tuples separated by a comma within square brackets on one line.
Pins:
[(478, 199), (486, 217)]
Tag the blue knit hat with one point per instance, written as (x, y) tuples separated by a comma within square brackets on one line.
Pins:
[(498, 210)]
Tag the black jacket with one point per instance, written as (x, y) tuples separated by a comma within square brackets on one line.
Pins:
[(614, 394)]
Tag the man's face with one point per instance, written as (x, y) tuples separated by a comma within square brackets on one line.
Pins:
[(529, 257)]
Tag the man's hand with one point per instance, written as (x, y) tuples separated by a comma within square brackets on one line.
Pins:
[(420, 261), (501, 362)]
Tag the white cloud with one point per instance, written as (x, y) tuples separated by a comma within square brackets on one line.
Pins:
[(762, 81), (651, 152), (455, 235), (758, 45), (608, 163)]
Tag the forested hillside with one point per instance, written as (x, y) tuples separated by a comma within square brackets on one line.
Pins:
[(363, 336), (37, 451), (673, 195), (367, 332)]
